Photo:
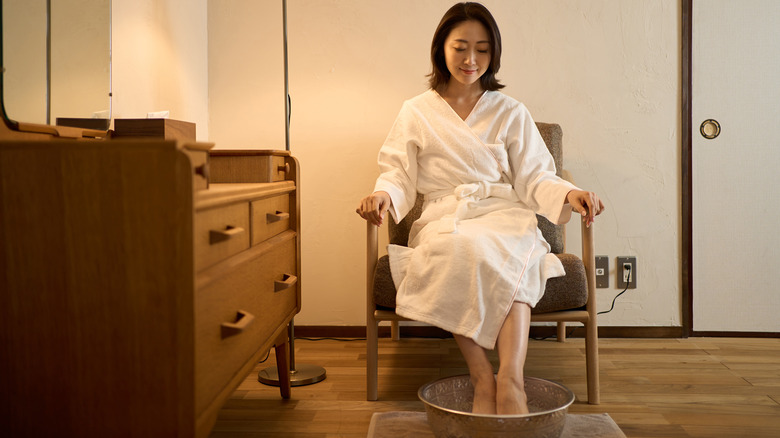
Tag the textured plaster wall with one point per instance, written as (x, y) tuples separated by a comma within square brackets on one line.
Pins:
[(606, 70)]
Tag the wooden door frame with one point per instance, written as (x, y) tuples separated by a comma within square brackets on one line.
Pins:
[(687, 171), (687, 188)]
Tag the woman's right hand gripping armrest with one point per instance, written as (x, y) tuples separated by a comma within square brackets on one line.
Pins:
[(373, 207)]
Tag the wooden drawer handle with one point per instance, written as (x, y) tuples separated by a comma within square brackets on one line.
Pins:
[(203, 170), (287, 282), (285, 168), (216, 236), (243, 320), (276, 217)]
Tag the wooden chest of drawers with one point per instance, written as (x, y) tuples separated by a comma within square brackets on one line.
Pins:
[(135, 293)]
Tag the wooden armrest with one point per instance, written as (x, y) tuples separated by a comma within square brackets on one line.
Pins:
[(372, 240), (372, 254), (587, 240), (589, 260)]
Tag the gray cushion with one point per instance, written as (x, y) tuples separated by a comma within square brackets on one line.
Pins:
[(567, 292), (399, 232), (384, 288), (552, 134), (552, 233)]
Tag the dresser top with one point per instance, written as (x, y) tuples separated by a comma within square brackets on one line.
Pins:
[(248, 152)]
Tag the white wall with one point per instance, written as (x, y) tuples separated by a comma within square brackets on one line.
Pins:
[(246, 74), (607, 70), (160, 60)]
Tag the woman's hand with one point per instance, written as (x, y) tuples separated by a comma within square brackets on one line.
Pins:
[(587, 204), (374, 207)]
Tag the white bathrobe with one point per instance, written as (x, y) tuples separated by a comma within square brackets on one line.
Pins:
[(476, 248)]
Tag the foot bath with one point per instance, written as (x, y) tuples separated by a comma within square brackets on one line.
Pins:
[(448, 407)]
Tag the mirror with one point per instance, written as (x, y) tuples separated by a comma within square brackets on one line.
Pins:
[(56, 59)]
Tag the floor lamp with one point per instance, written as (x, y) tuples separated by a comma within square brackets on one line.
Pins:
[(300, 374)]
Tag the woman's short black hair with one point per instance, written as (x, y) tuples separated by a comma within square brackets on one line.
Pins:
[(457, 14)]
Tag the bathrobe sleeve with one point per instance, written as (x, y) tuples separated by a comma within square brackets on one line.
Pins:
[(533, 170), (398, 163)]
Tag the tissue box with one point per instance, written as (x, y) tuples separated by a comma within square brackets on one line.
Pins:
[(167, 129)]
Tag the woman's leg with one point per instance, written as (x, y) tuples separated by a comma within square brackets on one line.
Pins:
[(512, 347), (481, 372)]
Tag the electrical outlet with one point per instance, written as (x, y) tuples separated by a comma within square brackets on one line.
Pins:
[(626, 272), (602, 271)]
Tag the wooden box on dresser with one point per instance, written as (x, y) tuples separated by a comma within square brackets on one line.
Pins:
[(135, 295)]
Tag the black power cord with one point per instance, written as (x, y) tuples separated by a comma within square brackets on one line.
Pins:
[(628, 283), (612, 307)]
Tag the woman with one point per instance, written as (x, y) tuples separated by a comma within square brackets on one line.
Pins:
[(476, 261)]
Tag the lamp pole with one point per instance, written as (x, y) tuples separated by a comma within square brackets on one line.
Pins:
[(287, 102), (300, 374)]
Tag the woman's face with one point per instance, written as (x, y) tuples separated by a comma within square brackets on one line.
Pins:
[(467, 52)]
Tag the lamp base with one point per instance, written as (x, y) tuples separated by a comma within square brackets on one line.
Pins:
[(304, 374)]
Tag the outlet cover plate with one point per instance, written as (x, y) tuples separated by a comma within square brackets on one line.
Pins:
[(619, 271), (602, 272)]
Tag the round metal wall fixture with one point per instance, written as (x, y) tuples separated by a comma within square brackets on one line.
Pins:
[(710, 129)]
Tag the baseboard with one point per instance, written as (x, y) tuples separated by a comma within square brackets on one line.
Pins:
[(573, 331), (713, 334)]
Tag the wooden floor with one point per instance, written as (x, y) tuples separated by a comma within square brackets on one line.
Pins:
[(697, 387)]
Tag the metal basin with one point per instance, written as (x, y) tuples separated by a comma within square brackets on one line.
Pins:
[(448, 406)]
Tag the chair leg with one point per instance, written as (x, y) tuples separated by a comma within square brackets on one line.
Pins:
[(372, 359), (395, 330), (283, 366), (592, 362), (561, 331)]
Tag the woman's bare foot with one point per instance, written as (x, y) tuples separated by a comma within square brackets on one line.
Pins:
[(510, 397), (484, 396)]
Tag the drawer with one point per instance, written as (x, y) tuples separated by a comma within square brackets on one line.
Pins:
[(236, 313), (247, 167), (279, 169), (270, 216), (220, 233)]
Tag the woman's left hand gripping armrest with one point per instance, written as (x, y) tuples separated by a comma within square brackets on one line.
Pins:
[(586, 204)]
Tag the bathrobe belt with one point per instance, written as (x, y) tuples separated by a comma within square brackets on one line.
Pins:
[(467, 195)]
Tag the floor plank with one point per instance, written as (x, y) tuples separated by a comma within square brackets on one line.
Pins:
[(697, 387)]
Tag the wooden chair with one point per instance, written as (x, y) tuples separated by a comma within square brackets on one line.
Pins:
[(571, 298)]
